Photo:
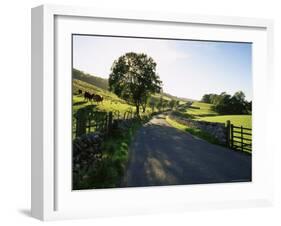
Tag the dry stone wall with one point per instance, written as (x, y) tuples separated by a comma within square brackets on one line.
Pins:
[(218, 130)]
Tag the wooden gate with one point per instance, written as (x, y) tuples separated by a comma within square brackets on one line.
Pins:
[(89, 120), (239, 137)]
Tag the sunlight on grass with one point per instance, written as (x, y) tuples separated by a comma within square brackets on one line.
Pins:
[(237, 120), (106, 105), (204, 109), (176, 124), (194, 131), (111, 101)]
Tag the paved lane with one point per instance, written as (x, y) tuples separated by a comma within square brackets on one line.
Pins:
[(163, 155)]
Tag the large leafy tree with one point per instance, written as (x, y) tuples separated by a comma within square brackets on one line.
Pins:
[(239, 103), (133, 77), (227, 104)]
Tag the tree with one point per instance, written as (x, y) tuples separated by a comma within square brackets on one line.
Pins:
[(239, 96), (177, 103), (172, 103), (206, 98), (248, 107), (210, 98), (222, 103), (133, 77), (152, 103), (227, 104), (238, 103), (144, 103), (159, 104), (165, 104)]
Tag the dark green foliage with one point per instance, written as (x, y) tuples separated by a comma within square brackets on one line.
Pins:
[(209, 98), (109, 171), (133, 77), (227, 104), (162, 104), (153, 103), (172, 104)]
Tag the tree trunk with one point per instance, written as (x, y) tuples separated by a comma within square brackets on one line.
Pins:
[(138, 109)]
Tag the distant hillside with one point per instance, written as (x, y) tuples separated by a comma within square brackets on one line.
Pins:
[(93, 80), (103, 84), (178, 98)]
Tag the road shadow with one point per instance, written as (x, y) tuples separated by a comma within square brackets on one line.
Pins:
[(163, 155)]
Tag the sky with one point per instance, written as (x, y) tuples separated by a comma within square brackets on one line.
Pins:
[(187, 68)]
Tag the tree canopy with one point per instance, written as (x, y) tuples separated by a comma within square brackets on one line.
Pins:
[(227, 104), (133, 77)]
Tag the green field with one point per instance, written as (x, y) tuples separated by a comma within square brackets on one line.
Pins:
[(237, 120), (205, 110), (205, 113)]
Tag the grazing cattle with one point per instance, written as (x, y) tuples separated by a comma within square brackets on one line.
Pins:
[(98, 98), (80, 92), (93, 97), (88, 96)]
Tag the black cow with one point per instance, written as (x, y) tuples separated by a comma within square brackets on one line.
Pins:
[(98, 98), (88, 96)]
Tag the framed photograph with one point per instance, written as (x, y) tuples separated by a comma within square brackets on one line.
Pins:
[(137, 112)]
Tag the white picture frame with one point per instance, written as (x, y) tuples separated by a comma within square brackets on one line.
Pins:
[(49, 198)]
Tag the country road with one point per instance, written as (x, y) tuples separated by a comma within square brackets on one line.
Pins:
[(163, 155)]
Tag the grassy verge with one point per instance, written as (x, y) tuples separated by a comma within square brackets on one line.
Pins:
[(194, 131), (109, 171)]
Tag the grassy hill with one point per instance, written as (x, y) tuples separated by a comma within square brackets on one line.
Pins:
[(111, 101), (181, 99), (102, 83), (91, 79), (200, 109)]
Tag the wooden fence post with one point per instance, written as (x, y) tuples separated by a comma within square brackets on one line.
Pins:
[(81, 123), (228, 133), (109, 126), (89, 124), (242, 142), (231, 135)]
